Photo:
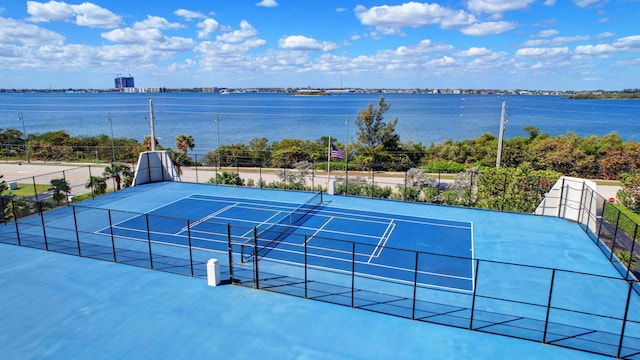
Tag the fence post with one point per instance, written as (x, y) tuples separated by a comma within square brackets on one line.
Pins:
[(615, 235), (196, 164), (146, 216), (230, 247), (633, 245), (93, 196), (15, 220), (406, 173), (113, 243), (560, 199), (190, 248), (473, 295), (415, 288), (44, 230), (353, 272), (75, 223), (624, 320), (306, 278), (35, 191), (504, 193), (66, 193), (256, 275), (546, 320)]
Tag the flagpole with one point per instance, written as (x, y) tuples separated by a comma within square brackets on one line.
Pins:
[(346, 153), (329, 161)]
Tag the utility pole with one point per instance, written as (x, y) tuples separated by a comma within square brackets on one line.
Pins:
[(503, 122), (153, 128), (24, 132), (113, 146)]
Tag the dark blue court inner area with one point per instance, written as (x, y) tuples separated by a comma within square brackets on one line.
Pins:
[(377, 245)]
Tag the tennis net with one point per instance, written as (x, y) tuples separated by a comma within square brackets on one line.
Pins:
[(282, 228)]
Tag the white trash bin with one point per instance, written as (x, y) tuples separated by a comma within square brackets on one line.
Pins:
[(213, 272)]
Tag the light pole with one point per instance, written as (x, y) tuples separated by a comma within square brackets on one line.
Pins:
[(113, 146), (24, 132), (218, 134)]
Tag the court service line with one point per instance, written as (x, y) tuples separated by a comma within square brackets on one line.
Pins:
[(318, 230), (267, 221), (383, 241), (214, 214)]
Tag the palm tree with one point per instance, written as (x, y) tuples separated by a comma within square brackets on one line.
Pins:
[(146, 142), (60, 188), (184, 143), (116, 172), (97, 184)]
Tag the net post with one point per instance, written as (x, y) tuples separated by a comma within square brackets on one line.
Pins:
[(256, 275)]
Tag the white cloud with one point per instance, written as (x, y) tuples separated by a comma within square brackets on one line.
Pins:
[(246, 32), (489, 28), (547, 33), (552, 52), (625, 44), (267, 3), (299, 42), (587, 3), (413, 14), (498, 6), (150, 38), (188, 14), (51, 11), (156, 22), (474, 51), (15, 32), (133, 36), (86, 14), (209, 26)]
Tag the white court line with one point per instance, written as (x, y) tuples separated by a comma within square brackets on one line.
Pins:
[(319, 229), (383, 241), (246, 235), (200, 221)]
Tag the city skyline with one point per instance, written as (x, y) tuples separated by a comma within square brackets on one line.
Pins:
[(474, 44)]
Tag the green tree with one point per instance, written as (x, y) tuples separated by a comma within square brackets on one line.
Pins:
[(629, 193), (60, 188), (146, 142), (227, 178), (116, 172), (184, 143), (377, 139), (97, 184), (3, 185)]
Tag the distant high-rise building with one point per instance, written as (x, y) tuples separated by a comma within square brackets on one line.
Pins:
[(123, 82)]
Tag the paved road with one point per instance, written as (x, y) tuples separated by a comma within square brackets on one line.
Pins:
[(78, 174)]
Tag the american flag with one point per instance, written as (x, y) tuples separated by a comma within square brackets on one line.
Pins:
[(336, 153)]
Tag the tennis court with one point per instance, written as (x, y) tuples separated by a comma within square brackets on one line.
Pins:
[(332, 238), (523, 276)]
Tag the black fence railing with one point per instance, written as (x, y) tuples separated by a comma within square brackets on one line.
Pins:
[(549, 310)]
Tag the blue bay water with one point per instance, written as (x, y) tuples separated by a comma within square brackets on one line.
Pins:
[(244, 116)]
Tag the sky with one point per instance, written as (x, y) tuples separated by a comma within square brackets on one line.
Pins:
[(468, 44)]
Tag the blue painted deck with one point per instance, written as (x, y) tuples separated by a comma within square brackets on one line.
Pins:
[(55, 304)]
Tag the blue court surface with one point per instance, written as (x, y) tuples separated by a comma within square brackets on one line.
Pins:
[(452, 261)]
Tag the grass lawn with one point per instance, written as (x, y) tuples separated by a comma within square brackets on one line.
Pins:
[(25, 190)]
